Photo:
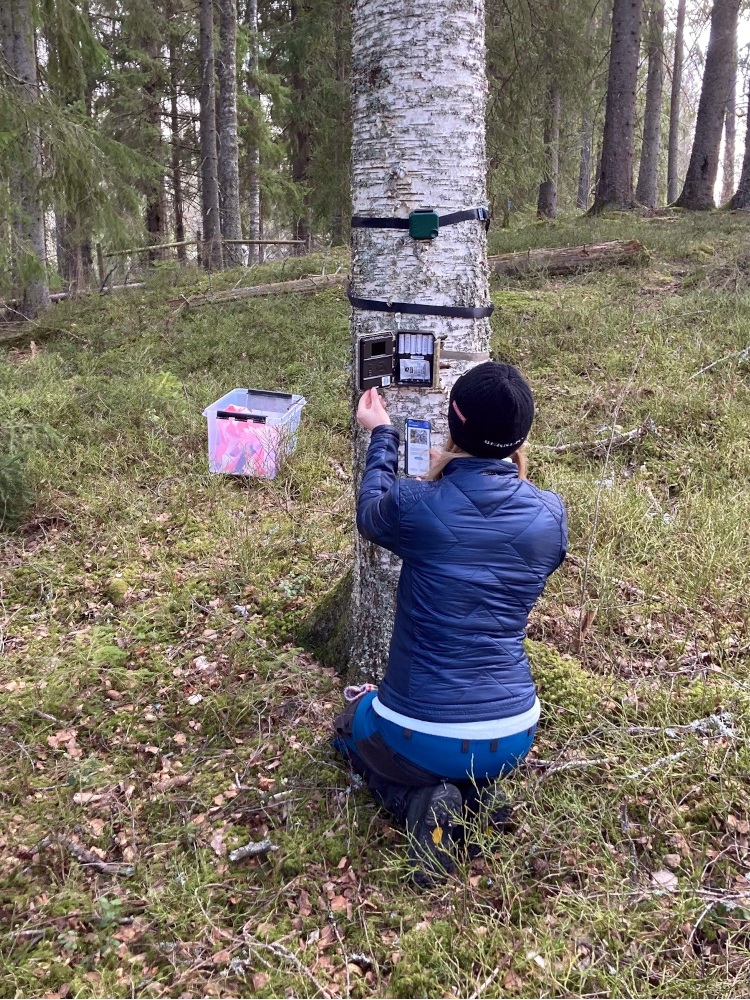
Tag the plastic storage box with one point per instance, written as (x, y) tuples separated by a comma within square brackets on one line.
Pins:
[(251, 432)]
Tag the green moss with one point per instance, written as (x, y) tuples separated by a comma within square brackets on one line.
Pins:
[(561, 680), (108, 656), (116, 590)]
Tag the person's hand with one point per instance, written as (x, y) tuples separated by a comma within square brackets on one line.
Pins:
[(371, 413)]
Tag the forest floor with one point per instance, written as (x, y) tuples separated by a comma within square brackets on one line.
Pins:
[(157, 714)]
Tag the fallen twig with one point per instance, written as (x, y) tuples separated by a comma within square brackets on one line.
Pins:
[(720, 725), (644, 772), (343, 955), (83, 855), (488, 982), (742, 355), (597, 447), (254, 946), (312, 283), (712, 725), (552, 766), (253, 849)]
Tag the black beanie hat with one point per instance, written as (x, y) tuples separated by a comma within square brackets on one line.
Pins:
[(491, 410)]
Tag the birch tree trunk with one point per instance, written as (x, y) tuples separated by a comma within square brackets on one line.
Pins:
[(698, 190), (227, 142), (546, 206), (647, 188), (615, 187), (213, 257), (25, 175), (673, 182), (255, 253), (418, 141), (730, 133)]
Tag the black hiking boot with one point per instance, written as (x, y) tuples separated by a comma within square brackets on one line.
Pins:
[(487, 810), (493, 809), (433, 813)]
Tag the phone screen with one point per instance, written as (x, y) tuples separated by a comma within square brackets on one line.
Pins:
[(417, 447)]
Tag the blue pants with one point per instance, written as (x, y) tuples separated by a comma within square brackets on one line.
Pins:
[(395, 761)]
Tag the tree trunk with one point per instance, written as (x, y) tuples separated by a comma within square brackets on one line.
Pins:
[(255, 254), (213, 256), (156, 218), (174, 128), (698, 190), (418, 140), (647, 189), (584, 169), (546, 207), (156, 199), (730, 133), (615, 187), (301, 149), (673, 181), (586, 132), (741, 198), (300, 140), (17, 42), (228, 146), (73, 255), (596, 134), (341, 212)]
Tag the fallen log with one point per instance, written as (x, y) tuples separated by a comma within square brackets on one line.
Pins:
[(12, 304), (569, 260), (313, 283)]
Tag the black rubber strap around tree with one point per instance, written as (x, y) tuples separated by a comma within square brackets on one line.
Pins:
[(366, 222), (416, 309)]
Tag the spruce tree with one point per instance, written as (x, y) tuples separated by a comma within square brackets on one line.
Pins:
[(19, 67), (698, 190), (615, 185)]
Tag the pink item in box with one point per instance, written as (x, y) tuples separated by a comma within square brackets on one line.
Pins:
[(251, 432), (239, 452)]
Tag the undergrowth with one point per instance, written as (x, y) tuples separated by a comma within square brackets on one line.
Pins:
[(158, 714)]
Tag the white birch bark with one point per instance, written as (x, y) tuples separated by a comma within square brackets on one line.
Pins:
[(419, 92)]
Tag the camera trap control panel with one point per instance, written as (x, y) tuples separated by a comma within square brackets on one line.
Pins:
[(408, 358)]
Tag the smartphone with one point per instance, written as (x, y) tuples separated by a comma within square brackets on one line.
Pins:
[(417, 447)]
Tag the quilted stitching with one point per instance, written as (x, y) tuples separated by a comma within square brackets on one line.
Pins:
[(477, 552)]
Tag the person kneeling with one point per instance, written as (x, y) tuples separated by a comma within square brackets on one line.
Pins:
[(457, 708)]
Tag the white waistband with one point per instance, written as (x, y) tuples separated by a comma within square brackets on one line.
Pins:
[(492, 729)]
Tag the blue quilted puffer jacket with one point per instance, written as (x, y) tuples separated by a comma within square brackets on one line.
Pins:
[(477, 546)]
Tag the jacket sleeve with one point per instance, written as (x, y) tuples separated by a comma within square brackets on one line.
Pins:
[(378, 501)]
